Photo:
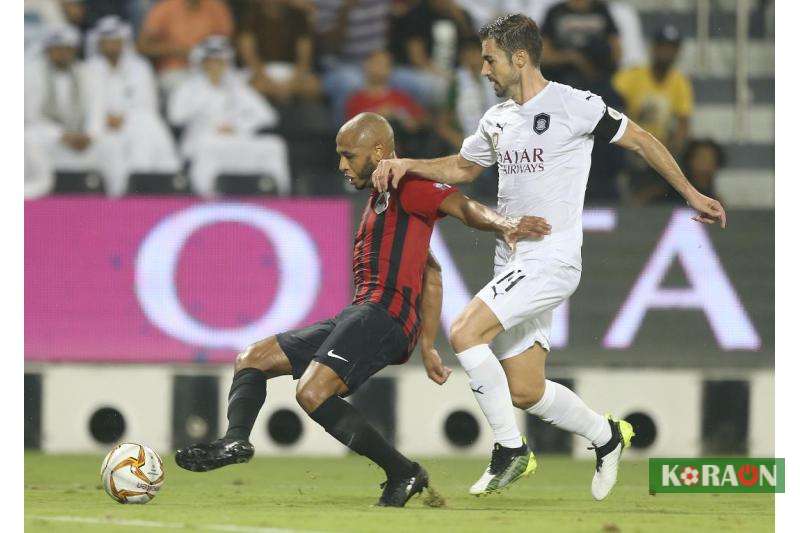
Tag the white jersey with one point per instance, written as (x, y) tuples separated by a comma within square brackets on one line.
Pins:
[(543, 150)]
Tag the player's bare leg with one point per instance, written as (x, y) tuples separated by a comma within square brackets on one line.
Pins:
[(470, 336), (319, 394), (260, 361), (558, 405)]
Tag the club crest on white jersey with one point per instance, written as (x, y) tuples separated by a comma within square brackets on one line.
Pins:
[(543, 152), (541, 122)]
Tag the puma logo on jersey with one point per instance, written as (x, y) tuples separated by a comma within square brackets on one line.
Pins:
[(501, 127)]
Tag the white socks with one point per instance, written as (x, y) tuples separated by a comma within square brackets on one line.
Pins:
[(558, 406), (565, 410), (490, 387)]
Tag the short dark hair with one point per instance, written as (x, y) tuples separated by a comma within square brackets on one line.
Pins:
[(515, 32)]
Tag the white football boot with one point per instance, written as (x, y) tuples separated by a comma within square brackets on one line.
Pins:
[(608, 455)]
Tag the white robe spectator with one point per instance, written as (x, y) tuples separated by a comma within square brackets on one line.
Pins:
[(486, 11), (631, 38), (221, 116), (39, 16), (39, 179), (123, 104), (56, 100), (474, 95)]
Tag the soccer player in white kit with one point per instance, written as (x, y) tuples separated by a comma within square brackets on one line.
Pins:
[(541, 139)]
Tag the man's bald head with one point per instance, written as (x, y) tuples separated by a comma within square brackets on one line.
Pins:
[(368, 130), (361, 142)]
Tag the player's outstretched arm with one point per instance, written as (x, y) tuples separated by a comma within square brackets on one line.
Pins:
[(452, 170), (476, 215), (658, 157), (431, 311)]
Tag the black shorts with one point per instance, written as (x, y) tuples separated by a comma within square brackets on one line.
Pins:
[(356, 343)]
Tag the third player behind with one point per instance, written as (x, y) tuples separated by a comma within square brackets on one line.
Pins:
[(541, 139)]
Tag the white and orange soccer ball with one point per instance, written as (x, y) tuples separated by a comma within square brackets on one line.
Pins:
[(132, 473)]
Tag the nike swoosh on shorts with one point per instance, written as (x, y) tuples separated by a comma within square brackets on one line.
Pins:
[(331, 354)]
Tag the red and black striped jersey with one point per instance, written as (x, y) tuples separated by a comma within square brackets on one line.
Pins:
[(391, 248)]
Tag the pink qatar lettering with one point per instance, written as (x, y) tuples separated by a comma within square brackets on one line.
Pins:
[(81, 301)]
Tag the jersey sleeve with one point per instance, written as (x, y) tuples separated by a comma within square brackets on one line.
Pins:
[(477, 148), (591, 116), (423, 197)]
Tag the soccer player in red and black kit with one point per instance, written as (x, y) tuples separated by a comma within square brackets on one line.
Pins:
[(398, 299)]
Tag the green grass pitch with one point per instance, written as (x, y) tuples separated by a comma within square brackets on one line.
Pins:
[(63, 494)]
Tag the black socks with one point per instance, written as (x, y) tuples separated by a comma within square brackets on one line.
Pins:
[(347, 425), (343, 421), (247, 395)]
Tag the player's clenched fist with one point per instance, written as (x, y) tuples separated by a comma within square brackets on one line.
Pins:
[(709, 211), (433, 366), (387, 169)]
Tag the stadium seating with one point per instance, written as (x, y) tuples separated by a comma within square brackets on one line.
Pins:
[(748, 180), (78, 183), (149, 183)]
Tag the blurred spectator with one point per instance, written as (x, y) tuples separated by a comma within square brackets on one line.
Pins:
[(49, 12), (39, 179), (632, 42), (633, 48), (56, 103), (483, 11), (123, 102), (396, 106), (425, 39), (39, 16), (84, 14), (703, 160), (580, 42), (486, 11), (377, 96), (276, 44), (222, 115), (75, 14), (174, 27), (469, 96), (98, 9), (80, 14), (658, 96), (139, 10), (347, 32)]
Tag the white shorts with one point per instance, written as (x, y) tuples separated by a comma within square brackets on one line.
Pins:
[(523, 295)]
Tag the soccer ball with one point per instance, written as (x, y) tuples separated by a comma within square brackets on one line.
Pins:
[(132, 473)]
